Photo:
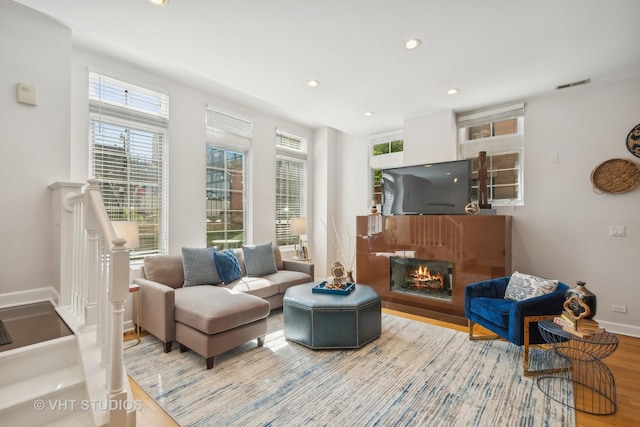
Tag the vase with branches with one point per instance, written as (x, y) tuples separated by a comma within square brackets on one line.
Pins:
[(346, 254)]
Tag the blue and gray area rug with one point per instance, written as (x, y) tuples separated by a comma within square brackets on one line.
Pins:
[(415, 374)]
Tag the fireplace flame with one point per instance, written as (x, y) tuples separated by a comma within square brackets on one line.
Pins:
[(423, 278)]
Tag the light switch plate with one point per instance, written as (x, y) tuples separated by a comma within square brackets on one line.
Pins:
[(27, 93), (617, 231)]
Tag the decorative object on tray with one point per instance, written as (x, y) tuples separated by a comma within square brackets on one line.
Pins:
[(633, 141), (346, 252), (338, 278), (483, 198), (580, 302), (328, 288), (615, 176), (350, 277), (471, 209)]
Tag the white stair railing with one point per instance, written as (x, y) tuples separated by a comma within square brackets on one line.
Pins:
[(440, 231), (99, 264)]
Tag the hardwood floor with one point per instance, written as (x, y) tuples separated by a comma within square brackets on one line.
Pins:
[(624, 364), (151, 414)]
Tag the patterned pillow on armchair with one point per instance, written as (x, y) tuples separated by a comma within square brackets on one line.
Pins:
[(524, 286)]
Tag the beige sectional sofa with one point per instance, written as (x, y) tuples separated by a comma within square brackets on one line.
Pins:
[(210, 318)]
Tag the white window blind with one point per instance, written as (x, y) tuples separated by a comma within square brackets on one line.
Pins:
[(228, 130), (127, 137), (495, 114), (291, 177), (119, 99)]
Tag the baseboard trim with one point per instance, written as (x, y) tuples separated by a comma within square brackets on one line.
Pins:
[(30, 296), (620, 328)]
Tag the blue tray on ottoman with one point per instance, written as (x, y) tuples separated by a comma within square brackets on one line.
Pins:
[(321, 288)]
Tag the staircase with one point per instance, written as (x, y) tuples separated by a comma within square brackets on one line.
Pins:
[(40, 383), (79, 379)]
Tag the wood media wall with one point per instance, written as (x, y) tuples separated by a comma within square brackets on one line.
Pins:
[(477, 248)]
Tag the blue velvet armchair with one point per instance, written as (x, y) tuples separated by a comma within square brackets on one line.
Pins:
[(484, 304)]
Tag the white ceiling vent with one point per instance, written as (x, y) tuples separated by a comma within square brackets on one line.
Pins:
[(578, 83)]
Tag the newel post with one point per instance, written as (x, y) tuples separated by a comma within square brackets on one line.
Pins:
[(118, 293), (62, 226)]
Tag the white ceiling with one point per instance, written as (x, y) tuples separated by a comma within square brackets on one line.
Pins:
[(262, 53)]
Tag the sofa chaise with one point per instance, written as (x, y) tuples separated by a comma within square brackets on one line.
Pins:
[(184, 298)]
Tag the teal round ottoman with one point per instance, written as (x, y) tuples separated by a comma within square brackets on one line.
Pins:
[(324, 321)]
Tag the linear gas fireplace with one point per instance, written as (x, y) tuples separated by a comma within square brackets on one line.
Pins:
[(473, 247), (423, 278)]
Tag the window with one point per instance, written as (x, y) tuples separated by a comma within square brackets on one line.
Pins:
[(500, 132), (127, 137), (395, 146), (225, 198), (291, 178), (229, 138), (377, 187), (383, 146)]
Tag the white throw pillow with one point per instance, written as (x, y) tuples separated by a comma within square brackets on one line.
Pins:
[(524, 286)]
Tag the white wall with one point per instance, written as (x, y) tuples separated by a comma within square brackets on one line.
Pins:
[(429, 139), (562, 231), (34, 144), (352, 190), (323, 199)]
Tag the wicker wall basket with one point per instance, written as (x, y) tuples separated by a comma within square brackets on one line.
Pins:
[(615, 176)]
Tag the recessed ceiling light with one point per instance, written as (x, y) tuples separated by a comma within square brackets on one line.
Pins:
[(453, 91), (159, 2), (412, 44), (369, 113), (313, 83)]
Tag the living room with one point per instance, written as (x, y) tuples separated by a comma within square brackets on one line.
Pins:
[(561, 231)]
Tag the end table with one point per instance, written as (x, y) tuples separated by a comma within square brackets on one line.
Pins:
[(577, 377), (134, 288)]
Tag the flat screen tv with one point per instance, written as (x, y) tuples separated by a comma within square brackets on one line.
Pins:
[(433, 189)]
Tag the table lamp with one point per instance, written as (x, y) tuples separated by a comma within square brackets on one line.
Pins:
[(298, 227), (129, 231)]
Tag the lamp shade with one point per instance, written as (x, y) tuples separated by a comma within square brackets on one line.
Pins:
[(390, 223), (298, 226), (129, 231)]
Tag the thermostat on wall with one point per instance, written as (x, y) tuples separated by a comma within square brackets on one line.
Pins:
[(27, 93)]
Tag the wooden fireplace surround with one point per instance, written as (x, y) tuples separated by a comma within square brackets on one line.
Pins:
[(479, 247)]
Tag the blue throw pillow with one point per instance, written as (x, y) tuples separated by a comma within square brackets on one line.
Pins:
[(227, 264), (199, 266), (259, 260)]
